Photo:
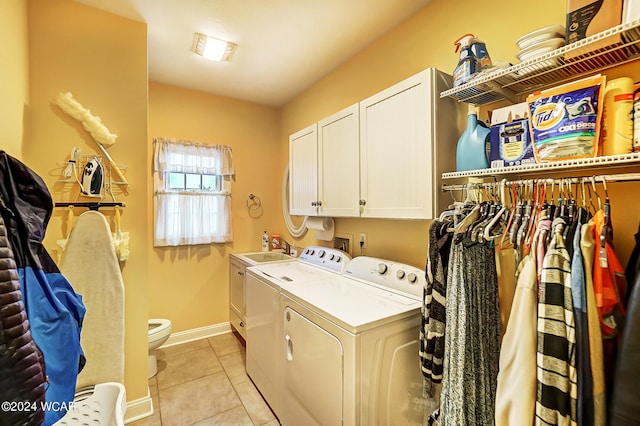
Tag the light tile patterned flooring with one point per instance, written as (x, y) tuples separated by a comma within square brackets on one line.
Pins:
[(205, 383)]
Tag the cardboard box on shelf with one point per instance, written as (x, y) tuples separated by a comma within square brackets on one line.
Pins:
[(510, 140), (588, 17)]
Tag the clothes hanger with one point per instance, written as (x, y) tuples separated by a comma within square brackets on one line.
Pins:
[(462, 211), (607, 232), (513, 194), (460, 229), (593, 185), (500, 217), (539, 202), (485, 204), (518, 216), (451, 209), (526, 217), (496, 192)]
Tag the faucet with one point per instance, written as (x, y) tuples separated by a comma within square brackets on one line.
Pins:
[(282, 245)]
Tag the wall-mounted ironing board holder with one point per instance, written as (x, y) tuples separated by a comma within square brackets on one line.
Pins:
[(93, 202)]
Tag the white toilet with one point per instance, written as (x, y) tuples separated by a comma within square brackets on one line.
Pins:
[(159, 331)]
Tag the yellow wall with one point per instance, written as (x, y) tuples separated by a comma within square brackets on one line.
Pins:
[(425, 40), (189, 285), (102, 60), (14, 75)]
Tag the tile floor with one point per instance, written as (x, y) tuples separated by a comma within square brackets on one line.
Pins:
[(204, 383)]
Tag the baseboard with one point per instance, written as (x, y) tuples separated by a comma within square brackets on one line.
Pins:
[(139, 408), (197, 334)]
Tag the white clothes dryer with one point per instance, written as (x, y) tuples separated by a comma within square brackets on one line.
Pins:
[(351, 346)]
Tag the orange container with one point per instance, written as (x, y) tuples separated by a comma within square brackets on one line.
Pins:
[(275, 245)]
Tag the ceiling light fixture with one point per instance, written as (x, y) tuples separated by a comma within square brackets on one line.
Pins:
[(212, 48)]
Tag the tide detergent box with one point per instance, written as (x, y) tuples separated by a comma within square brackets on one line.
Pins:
[(510, 140)]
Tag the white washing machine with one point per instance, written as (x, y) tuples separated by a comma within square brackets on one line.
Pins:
[(265, 350), (351, 347)]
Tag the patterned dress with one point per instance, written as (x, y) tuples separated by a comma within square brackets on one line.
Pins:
[(472, 336), (434, 307), (556, 396)]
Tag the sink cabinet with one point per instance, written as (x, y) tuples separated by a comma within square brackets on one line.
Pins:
[(237, 315)]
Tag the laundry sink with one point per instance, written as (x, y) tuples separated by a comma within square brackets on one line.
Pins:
[(266, 256)]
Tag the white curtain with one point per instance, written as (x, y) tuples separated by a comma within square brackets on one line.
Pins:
[(198, 216)]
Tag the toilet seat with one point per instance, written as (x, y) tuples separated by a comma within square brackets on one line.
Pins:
[(158, 327), (159, 331)]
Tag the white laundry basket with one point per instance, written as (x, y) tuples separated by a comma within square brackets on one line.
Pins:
[(104, 404)]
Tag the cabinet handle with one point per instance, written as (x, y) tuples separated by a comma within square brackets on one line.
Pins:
[(241, 273), (242, 324), (319, 203), (289, 347), (363, 202), (313, 204)]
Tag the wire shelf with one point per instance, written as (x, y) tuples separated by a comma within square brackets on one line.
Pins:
[(556, 67), (584, 164)]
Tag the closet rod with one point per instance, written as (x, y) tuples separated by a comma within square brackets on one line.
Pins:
[(624, 177)]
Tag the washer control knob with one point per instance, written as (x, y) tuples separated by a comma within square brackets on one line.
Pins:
[(338, 259), (400, 274), (412, 278), (382, 268), (321, 253)]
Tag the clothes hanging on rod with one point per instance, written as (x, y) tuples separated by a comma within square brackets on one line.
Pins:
[(561, 344), (464, 335)]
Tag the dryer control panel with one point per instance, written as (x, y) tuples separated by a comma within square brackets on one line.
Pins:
[(387, 274), (324, 257)]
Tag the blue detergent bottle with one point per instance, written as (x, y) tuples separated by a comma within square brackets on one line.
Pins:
[(468, 63), (471, 152)]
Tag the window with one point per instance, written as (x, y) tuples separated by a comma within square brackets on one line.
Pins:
[(192, 181), (192, 193)]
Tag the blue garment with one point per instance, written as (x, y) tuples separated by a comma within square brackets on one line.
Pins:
[(585, 404), (55, 314)]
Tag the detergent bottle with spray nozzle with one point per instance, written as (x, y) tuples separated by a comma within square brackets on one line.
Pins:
[(468, 63), (474, 57)]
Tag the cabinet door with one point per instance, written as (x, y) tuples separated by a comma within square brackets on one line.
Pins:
[(236, 287), (396, 147), (303, 172), (338, 167), (237, 271)]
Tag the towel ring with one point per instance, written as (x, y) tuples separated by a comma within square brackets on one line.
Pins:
[(253, 202)]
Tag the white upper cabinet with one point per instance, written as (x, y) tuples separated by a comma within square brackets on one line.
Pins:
[(405, 144), (380, 158), (303, 171), (338, 164)]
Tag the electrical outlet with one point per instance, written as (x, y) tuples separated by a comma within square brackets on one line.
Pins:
[(363, 240), (343, 242)]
